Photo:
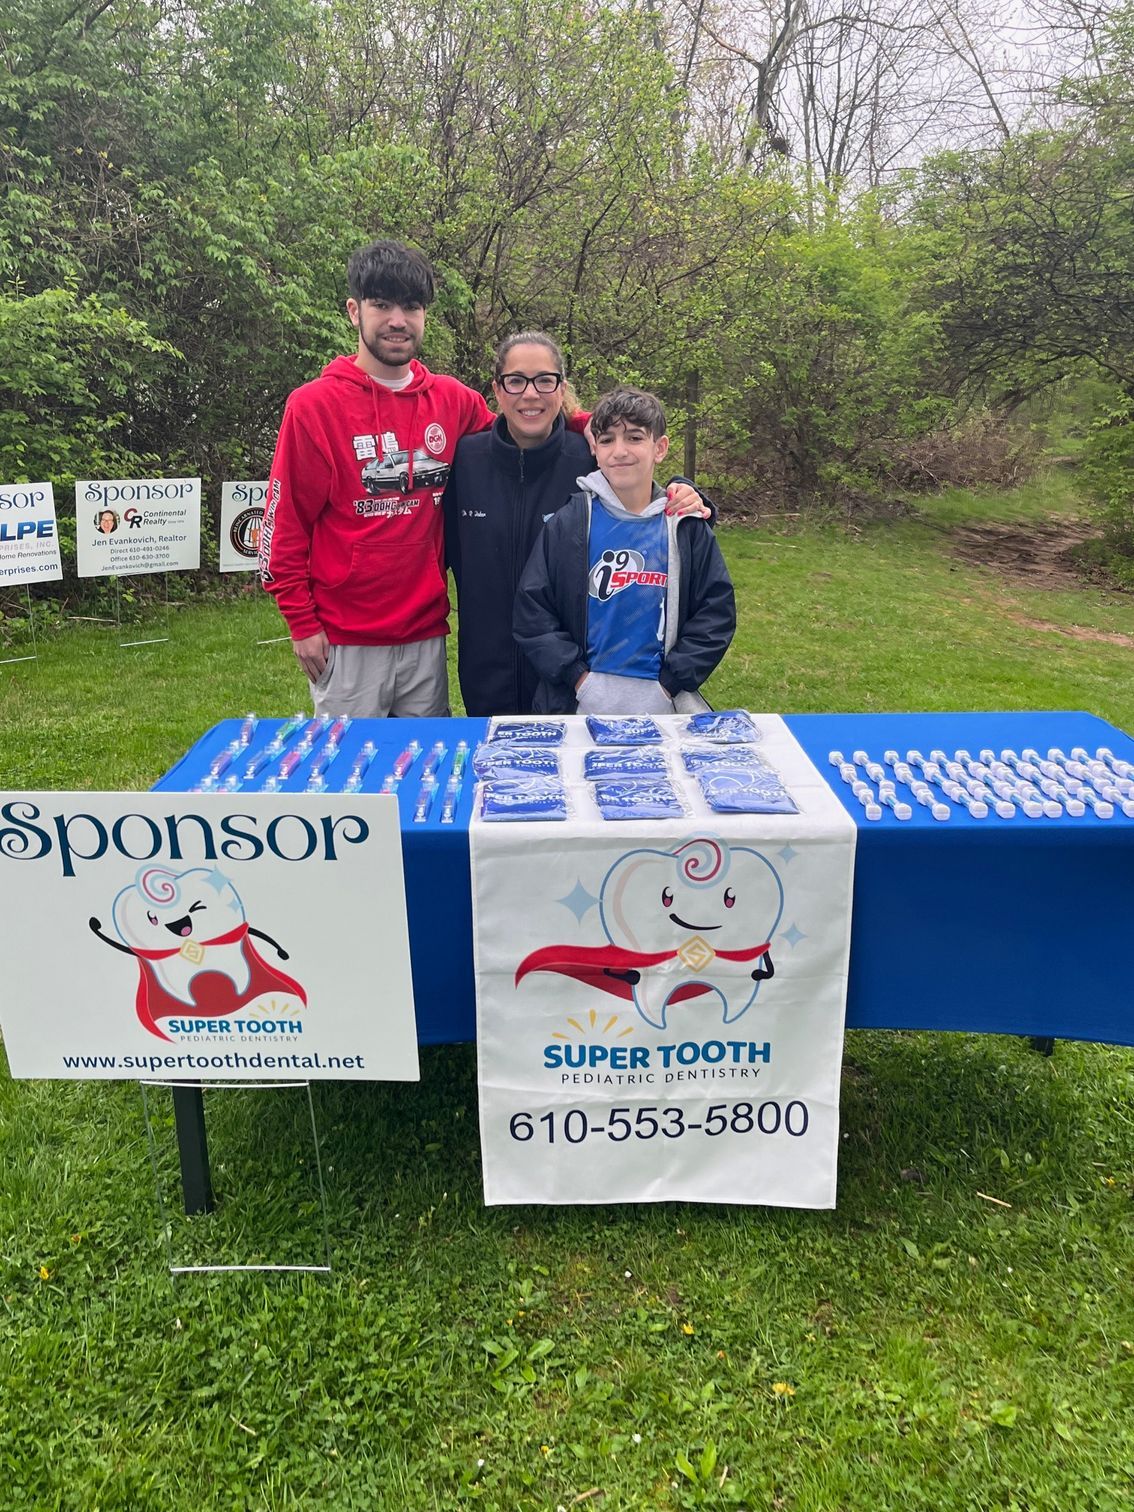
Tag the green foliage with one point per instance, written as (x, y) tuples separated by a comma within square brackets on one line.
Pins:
[(205, 172), (72, 371), (1028, 248), (840, 369), (1108, 472), (1028, 251), (199, 173), (149, 166)]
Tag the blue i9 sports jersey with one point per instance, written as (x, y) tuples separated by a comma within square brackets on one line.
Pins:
[(627, 574)]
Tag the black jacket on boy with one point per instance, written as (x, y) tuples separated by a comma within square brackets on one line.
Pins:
[(497, 501), (551, 609)]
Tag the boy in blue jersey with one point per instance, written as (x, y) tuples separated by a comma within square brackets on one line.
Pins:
[(623, 609)]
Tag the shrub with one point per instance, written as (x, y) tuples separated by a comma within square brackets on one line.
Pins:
[(1108, 473), (982, 448)]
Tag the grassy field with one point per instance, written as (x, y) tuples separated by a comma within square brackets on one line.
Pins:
[(920, 1347)]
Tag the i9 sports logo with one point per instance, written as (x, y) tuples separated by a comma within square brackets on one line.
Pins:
[(616, 570)]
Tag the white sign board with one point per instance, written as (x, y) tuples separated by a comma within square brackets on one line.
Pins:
[(205, 937), (660, 1004), (242, 514), (29, 542), (125, 526)]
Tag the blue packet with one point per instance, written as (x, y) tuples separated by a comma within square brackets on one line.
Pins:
[(745, 790), (637, 798), (523, 798), (628, 731), (508, 760), (726, 726), (529, 732), (706, 758), (633, 761)]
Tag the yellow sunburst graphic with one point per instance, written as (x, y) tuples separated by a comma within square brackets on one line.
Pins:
[(582, 1030), (269, 1008)]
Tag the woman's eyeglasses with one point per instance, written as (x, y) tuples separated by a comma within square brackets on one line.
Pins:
[(517, 383)]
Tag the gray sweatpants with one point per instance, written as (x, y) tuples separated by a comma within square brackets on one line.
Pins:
[(371, 682)]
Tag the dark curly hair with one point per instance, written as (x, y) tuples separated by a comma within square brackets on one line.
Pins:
[(628, 406), (389, 270)]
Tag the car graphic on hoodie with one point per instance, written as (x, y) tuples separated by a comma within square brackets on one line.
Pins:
[(392, 470)]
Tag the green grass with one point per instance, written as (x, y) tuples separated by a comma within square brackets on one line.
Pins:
[(888, 618), (934, 1349)]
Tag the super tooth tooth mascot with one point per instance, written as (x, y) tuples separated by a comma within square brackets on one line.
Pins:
[(191, 939), (679, 924)]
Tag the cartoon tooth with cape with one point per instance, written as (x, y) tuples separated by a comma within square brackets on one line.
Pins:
[(193, 944), (681, 923)]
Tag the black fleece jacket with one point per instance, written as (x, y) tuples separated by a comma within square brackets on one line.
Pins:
[(496, 502)]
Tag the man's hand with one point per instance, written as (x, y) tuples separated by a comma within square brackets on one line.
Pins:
[(311, 654), (682, 499)]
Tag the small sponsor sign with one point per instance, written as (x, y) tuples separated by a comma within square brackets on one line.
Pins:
[(125, 526)]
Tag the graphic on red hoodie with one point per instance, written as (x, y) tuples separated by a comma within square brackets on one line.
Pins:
[(352, 539)]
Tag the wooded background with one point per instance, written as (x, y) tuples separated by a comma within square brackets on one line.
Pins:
[(843, 239)]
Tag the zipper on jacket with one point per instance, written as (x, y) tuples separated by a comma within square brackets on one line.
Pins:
[(586, 585), (517, 569)]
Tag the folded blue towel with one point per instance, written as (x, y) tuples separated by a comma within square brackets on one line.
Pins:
[(523, 798), (707, 758), (637, 798), (744, 790), (630, 730), (731, 726), (507, 760), (542, 732), (632, 762)]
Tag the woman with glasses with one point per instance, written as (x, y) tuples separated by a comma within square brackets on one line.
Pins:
[(505, 484)]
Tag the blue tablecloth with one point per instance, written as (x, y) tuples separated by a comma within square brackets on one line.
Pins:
[(1005, 926), (435, 856)]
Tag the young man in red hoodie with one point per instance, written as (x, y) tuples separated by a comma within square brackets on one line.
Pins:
[(352, 542)]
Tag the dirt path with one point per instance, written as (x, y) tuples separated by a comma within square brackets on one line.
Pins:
[(1036, 555)]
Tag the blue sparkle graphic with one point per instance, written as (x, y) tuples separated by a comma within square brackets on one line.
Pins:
[(579, 901), (792, 935), (787, 854)]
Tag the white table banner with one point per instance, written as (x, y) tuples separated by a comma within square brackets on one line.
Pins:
[(29, 540), (205, 937), (241, 517), (125, 526), (660, 1004)]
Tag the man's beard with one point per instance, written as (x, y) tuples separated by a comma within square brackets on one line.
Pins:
[(376, 346)]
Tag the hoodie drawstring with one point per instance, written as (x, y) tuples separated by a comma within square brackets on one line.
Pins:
[(411, 443), (411, 440)]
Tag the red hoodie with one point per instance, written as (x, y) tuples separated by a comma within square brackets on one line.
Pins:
[(352, 537)]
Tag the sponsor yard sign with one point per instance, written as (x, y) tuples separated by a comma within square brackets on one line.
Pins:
[(29, 540), (241, 519), (205, 936), (125, 526)]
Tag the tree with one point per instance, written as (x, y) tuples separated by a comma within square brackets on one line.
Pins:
[(1030, 247)]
